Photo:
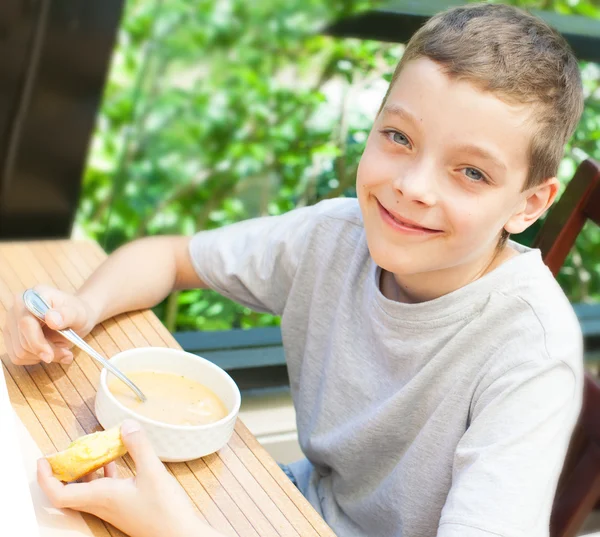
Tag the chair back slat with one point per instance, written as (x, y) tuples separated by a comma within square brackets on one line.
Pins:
[(578, 489), (580, 201)]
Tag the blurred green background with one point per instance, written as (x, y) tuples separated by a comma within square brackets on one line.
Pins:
[(221, 110)]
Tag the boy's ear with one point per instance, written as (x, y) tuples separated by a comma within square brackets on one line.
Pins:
[(535, 202)]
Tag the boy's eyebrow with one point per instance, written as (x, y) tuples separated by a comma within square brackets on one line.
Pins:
[(396, 110), (478, 151)]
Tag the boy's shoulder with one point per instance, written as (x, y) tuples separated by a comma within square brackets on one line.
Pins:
[(527, 327), (335, 226), (343, 210), (539, 313)]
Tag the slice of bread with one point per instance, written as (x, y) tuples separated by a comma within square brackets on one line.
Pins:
[(87, 454)]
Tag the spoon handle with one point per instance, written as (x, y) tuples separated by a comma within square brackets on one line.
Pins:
[(79, 342)]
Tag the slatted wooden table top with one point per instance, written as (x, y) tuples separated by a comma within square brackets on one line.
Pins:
[(240, 490)]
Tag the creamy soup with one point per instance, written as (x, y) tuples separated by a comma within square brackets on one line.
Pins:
[(170, 398)]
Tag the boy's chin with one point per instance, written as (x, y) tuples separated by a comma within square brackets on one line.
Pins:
[(405, 268), (405, 264)]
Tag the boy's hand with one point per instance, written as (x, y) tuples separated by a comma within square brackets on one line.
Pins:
[(28, 341), (152, 504)]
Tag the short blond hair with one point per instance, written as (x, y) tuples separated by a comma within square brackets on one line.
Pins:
[(516, 56)]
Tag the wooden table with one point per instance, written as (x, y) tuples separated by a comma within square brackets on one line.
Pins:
[(240, 490)]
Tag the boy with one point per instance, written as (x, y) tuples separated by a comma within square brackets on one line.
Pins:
[(436, 367)]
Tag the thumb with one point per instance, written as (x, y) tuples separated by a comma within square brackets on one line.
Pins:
[(139, 447), (55, 319), (68, 314)]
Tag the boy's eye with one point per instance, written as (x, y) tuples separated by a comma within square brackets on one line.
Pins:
[(399, 138), (474, 174), (396, 137)]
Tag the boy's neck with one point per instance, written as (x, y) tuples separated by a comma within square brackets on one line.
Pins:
[(416, 288)]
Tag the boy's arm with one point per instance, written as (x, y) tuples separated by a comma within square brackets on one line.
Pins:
[(136, 276), (251, 262), (507, 464), (139, 275)]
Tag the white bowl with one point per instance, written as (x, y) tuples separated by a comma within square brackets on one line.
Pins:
[(173, 443)]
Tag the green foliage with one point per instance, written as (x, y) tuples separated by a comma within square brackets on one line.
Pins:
[(217, 111)]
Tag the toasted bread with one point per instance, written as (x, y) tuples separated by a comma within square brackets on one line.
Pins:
[(87, 454)]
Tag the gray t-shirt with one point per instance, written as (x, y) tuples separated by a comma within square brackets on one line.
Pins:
[(449, 417)]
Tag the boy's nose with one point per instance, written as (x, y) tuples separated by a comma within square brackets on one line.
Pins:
[(417, 184)]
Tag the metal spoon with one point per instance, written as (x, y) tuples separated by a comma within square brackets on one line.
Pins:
[(39, 307)]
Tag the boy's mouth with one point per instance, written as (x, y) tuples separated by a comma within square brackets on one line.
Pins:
[(402, 224)]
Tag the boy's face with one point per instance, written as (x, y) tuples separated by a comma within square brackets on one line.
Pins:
[(450, 161)]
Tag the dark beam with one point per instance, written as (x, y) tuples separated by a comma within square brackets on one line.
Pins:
[(54, 60), (397, 22)]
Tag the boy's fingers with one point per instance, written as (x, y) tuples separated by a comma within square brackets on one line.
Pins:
[(57, 320), (23, 356), (48, 483), (68, 315), (66, 357), (111, 470), (64, 312), (89, 477), (32, 338), (87, 497), (57, 339), (56, 491), (18, 355), (53, 296), (20, 345), (28, 341), (140, 448)]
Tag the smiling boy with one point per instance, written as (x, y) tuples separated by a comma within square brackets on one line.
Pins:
[(435, 366)]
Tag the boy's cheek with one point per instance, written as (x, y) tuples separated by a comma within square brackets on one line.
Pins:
[(473, 228), (373, 170)]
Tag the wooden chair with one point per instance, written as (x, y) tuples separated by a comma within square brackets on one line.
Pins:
[(578, 490)]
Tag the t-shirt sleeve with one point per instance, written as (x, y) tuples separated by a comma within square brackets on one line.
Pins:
[(254, 262), (507, 464)]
